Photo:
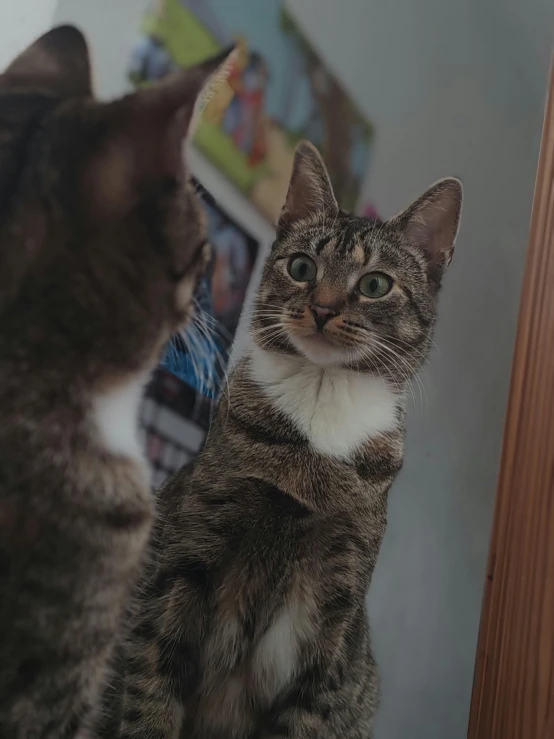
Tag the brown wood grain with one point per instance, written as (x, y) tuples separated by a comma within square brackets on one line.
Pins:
[(513, 692)]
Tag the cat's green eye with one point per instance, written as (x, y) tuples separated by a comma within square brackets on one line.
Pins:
[(375, 285), (302, 268)]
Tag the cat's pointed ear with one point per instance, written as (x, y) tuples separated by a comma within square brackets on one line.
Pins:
[(147, 131), (310, 191), (431, 223), (58, 63), (163, 116)]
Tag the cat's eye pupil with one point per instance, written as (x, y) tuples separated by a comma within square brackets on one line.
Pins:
[(375, 285), (302, 269)]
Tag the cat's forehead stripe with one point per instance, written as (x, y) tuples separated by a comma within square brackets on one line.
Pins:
[(349, 240), (356, 240), (358, 253), (329, 248), (323, 243), (343, 240)]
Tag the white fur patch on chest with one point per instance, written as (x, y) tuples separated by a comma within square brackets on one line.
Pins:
[(336, 409), (115, 415), (275, 660)]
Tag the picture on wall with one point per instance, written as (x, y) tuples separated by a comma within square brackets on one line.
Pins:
[(281, 91), (235, 256)]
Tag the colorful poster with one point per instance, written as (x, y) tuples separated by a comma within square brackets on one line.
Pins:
[(281, 92)]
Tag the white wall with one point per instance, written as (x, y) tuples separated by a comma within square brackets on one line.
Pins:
[(453, 88), (20, 22)]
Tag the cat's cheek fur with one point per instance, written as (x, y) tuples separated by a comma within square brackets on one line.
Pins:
[(184, 295), (336, 409)]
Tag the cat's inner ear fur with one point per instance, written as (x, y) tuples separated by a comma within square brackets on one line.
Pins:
[(310, 191), (57, 63), (431, 223)]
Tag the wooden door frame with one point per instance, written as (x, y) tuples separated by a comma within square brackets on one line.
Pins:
[(513, 692)]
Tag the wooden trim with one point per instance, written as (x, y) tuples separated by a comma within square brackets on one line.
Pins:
[(513, 692)]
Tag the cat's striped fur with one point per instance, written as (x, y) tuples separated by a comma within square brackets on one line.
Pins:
[(253, 624), (101, 245)]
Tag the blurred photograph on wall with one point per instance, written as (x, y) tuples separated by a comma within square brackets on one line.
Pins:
[(279, 91), (235, 256)]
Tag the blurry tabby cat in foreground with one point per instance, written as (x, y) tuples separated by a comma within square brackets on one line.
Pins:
[(101, 245), (254, 623)]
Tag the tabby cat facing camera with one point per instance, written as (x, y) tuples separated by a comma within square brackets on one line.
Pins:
[(254, 624), (101, 245)]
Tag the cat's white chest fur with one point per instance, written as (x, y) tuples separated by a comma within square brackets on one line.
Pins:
[(336, 409), (275, 660), (115, 415)]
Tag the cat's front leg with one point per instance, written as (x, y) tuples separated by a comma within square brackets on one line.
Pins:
[(150, 710), (151, 706), (335, 693), (162, 667), (298, 722), (308, 710)]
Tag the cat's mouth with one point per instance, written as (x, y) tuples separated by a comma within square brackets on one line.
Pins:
[(320, 347), (318, 338)]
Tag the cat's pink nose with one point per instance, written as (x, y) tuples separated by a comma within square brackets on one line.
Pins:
[(322, 313)]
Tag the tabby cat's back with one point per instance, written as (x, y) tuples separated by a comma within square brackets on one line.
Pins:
[(101, 245)]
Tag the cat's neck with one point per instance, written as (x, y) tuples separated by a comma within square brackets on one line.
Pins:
[(115, 418), (336, 409)]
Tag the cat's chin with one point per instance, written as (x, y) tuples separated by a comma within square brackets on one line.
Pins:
[(319, 350)]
